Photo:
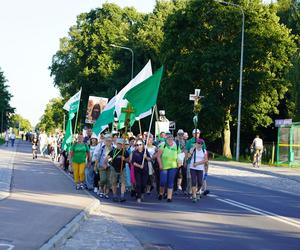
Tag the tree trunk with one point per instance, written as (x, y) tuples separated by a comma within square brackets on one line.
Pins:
[(226, 134)]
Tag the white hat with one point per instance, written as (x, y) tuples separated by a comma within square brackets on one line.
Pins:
[(196, 131), (107, 136), (180, 131), (120, 140), (94, 136)]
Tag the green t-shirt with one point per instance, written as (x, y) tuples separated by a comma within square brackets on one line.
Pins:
[(169, 156), (79, 151)]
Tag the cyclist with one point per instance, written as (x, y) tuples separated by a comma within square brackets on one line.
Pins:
[(257, 147)]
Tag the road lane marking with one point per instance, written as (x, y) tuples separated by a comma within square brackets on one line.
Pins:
[(10, 247), (255, 210)]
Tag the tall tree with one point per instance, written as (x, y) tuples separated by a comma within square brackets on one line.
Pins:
[(20, 123), (202, 50), (53, 116), (87, 60), (5, 107)]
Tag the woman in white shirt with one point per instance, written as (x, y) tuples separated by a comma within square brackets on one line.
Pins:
[(198, 159)]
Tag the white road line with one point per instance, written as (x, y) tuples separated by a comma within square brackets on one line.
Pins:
[(10, 247), (255, 210)]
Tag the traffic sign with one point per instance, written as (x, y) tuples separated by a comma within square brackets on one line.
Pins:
[(281, 122)]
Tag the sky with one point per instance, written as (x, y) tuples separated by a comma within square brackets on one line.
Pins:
[(30, 33)]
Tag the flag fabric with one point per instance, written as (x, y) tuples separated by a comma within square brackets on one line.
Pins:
[(106, 117), (68, 134), (143, 96), (72, 105), (118, 102), (122, 103)]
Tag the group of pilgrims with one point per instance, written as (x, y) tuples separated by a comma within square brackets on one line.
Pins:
[(111, 165)]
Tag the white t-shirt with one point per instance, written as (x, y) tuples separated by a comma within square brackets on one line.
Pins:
[(258, 143), (197, 156)]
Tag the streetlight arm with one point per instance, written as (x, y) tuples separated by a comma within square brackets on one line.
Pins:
[(132, 55)]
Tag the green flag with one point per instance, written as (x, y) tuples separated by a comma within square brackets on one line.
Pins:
[(68, 134), (143, 96), (72, 105)]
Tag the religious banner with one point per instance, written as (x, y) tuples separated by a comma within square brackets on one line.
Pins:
[(94, 108)]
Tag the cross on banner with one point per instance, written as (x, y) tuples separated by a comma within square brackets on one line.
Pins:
[(128, 110), (196, 96)]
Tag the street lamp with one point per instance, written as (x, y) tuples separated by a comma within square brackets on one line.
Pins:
[(132, 56), (241, 78)]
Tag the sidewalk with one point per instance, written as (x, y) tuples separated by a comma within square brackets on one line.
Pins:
[(40, 192), (7, 155), (282, 179)]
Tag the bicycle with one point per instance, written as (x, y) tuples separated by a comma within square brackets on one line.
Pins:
[(257, 158)]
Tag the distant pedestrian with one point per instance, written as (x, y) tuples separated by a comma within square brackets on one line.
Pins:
[(257, 146), (6, 138), (79, 154), (12, 138), (43, 141)]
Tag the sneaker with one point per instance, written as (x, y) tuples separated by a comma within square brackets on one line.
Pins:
[(95, 189), (179, 188), (206, 192), (160, 197), (115, 199), (194, 200), (169, 200), (82, 186), (138, 200), (77, 186), (101, 195), (165, 196), (106, 196)]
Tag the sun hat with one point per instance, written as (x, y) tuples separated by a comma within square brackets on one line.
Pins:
[(196, 131), (180, 131)]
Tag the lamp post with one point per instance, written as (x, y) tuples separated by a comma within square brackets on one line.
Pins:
[(132, 56), (241, 77)]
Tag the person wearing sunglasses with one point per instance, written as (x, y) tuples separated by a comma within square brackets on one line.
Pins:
[(140, 160), (197, 163)]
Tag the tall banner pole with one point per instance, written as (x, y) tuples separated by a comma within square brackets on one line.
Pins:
[(77, 112)]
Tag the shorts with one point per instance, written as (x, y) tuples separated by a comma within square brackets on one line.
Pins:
[(116, 176)]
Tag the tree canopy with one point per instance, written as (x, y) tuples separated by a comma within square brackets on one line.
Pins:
[(5, 107), (199, 44)]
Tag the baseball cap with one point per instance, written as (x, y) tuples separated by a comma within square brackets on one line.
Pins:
[(199, 140), (196, 131)]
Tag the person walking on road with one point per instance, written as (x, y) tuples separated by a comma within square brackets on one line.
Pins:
[(167, 158), (12, 138), (198, 158), (140, 162), (6, 138), (79, 154), (117, 159), (100, 154), (258, 146), (43, 140), (89, 170)]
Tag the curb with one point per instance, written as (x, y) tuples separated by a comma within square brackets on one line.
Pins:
[(71, 228), (67, 231)]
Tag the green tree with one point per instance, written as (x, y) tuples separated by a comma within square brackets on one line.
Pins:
[(87, 60), (53, 116), (201, 49), (5, 107), (20, 123)]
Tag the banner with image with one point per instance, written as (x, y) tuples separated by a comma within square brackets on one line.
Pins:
[(94, 108)]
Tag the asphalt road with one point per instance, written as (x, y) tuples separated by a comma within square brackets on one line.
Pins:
[(42, 201), (234, 216)]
